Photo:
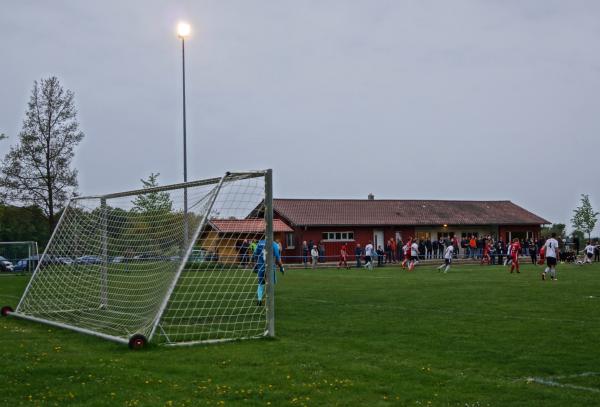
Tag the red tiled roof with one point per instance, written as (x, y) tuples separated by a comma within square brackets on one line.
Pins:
[(347, 212), (247, 225)]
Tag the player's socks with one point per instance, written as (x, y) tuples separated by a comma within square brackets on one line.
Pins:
[(260, 292), (447, 268)]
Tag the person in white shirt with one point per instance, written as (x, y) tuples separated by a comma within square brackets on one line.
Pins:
[(314, 254), (448, 253), (369, 256), (414, 255), (589, 252), (508, 254), (552, 256)]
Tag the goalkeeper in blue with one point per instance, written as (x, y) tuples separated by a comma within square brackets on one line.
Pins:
[(260, 257)]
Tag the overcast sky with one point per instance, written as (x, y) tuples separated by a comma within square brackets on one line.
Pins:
[(494, 99)]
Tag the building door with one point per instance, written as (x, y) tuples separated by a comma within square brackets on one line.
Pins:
[(378, 239)]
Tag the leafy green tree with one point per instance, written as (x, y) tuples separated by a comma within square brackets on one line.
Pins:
[(153, 201), (558, 228), (584, 217), (37, 171)]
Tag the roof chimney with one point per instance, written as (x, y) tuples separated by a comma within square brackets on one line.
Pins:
[(371, 197)]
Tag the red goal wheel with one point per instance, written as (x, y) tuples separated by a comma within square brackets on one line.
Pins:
[(7, 310), (137, 342)]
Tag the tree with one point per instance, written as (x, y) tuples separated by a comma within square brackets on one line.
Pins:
[(37, 171), (584, 217), (153, 201), (558, 228)]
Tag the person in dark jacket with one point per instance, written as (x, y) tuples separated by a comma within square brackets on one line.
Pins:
[(533, 253), (358, 253)]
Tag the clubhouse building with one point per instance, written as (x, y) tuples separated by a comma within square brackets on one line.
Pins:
[(335, 222)]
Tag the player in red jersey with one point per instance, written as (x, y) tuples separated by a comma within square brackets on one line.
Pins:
[(343, 257), (515, 248), (486, 253), (542, 259), (406, 252)]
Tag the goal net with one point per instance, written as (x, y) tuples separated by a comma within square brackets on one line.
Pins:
[(173, 264)]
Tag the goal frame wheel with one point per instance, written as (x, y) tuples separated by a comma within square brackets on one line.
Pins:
[(137, 342), (6, 310)]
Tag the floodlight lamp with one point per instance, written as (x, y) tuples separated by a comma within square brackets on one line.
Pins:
[(183, 30)]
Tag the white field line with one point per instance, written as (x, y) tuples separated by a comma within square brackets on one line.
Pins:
[(552, 381), (442, 311)]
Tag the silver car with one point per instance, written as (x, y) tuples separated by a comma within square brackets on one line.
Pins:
[(6, 265)]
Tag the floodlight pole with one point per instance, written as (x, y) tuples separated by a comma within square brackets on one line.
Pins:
[(185, 197)]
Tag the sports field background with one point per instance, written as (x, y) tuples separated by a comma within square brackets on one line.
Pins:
[(476, 336)]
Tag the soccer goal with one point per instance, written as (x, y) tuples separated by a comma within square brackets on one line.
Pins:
[(169, 265)]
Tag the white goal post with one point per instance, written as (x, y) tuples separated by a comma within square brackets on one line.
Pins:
[(177, 264)]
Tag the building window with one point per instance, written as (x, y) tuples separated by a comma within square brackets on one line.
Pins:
[(337, 236), (289, 241)]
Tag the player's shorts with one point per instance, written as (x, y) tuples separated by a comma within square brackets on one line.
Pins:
[(551, 261), (590, 255), (367, 259), (515, 259), (447, 261)]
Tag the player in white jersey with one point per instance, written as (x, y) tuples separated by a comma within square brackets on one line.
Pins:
[(589, 252), (369, 256), (414, 255), (508, 258), (447, 258), (552, 256)]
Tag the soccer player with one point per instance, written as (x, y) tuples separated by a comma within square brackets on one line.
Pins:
[(406, 253), (486, 252), (589, 252), (551, 250), (369, 256), (414, 255), (448, 253), (260, 256), (343, 257), (515, 248)]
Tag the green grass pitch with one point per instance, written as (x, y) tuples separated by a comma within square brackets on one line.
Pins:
[(477, 336)]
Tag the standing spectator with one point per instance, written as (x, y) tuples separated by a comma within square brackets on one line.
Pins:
[(428, 248), (596, 251), (464, 244), (455, 249), (358, 254), (314, 253), (369, 255), (434, 248), (576, 241), (321, 251), (533, 252), (305, 253), (399, 254), (441, 248), (500, 251), (472, 247), (393, 251), (310, 245), (379, 256), (244, 252), (388, 251)]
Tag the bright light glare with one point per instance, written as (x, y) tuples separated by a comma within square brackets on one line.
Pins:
[(183, 29)]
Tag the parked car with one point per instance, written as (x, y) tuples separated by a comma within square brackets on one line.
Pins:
[(151, 257), (89, 260), (30, 263), (65, 260), (6, 265)]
